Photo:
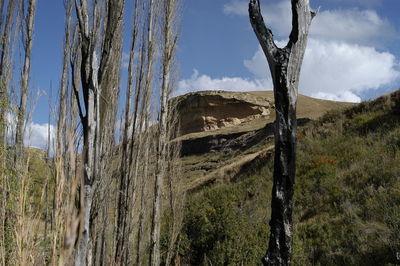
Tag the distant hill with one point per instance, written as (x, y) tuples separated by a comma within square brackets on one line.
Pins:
[(226, 131), (214, 112), (347, 195)]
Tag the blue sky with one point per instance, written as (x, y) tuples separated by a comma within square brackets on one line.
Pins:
[(353, 52)]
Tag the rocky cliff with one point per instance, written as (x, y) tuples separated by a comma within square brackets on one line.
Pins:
[(212, 110)]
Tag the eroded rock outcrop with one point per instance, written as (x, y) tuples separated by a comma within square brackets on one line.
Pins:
[(212, 110)]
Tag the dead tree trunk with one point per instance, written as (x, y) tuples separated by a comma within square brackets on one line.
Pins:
[(28, 34), (284, 64)]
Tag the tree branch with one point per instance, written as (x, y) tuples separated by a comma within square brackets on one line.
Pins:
[(314, 13), (264, 35), (300, 22)]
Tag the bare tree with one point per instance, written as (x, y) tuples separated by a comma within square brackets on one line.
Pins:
[(285, 64), (69, 217), (170, 36), (64, 181), (125, 177), (63, 96), (94, 76), (28, 40), (6, 46), (9, 23), (176, 193)]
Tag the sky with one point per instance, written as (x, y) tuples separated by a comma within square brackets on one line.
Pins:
[(353, 51)]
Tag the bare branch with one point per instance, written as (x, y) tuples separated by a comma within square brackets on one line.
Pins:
[(264, 34)]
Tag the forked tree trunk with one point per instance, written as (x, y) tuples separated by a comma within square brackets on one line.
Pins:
[(284, 64)]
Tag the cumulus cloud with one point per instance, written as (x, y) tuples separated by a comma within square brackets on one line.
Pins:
[(341, 60), (331, 70), (36, 135), (199, 82), (336, 70), (363, 27), (368, 3)]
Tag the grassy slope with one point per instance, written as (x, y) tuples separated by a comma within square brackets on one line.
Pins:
[(202, 166), (347, 199)]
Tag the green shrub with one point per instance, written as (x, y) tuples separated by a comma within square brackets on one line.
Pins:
[(347, 198)]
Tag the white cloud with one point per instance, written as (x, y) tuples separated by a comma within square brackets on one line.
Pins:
[(199, 82), (36, 135), (236, 7), (354, 26), (364, 27), (125, 60), (340, 61), (368, 3), (345, 96), (336, 70), (331, 70)]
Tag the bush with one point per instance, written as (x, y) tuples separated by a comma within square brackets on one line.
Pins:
[(347, 198)]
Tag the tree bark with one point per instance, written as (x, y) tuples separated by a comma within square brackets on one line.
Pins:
[(169, 44), (30, 19), (6, 65), (96, 81), (285, 64), (121, 249), (61, 124)]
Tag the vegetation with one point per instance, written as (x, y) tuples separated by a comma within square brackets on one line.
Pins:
[(75, 205), (91, 200), (347, 197)]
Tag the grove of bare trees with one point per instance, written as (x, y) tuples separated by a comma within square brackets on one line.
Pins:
[(108, 179)]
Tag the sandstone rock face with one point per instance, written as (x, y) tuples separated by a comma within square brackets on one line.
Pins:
[(212, 110)]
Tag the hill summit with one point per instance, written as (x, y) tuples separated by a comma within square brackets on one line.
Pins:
[(206, 111)]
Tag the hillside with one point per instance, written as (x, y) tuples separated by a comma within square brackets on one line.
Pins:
[(347, 192), (208, 113), (215, 149)]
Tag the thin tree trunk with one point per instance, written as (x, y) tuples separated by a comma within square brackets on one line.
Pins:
[(98, 82), (123, 193), (285, 64), (169, 43), (175, 186), (30, 20), (146, 147), (5, 66), (61, 125)]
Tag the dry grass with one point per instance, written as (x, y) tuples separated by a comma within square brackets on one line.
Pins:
[(209, 167), (308, 107), (229, 171)]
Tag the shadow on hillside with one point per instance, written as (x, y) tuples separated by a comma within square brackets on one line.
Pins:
[(234, 141)]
